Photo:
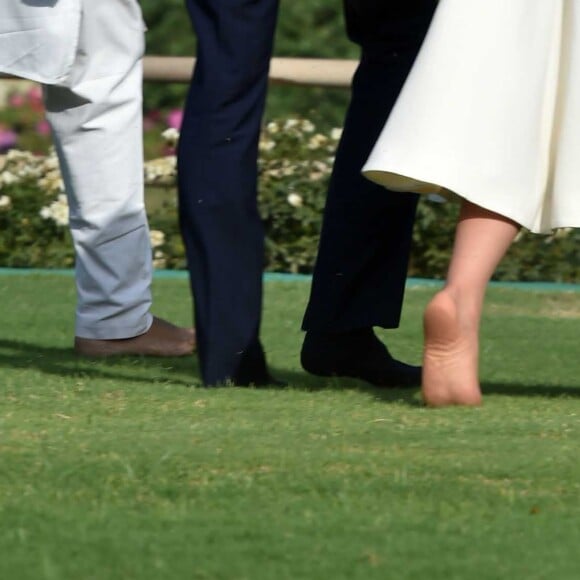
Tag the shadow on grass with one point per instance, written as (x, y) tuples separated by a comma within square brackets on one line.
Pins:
[(15, 354), (181, 372), (184, 372), (302, 381), (409, 396), (537, 390)]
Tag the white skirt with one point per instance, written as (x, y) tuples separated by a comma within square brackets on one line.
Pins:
[(491, 112)]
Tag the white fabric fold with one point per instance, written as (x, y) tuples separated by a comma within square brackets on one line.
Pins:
[(491, 112), (38, 38)]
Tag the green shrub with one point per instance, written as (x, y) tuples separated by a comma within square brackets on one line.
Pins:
[(295, 163), (33, 214), (531, 257), (23, 119)]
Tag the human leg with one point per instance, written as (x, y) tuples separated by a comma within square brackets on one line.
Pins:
[(361, 266), (452, 318), (217, 174), (360, 273), (96, 121)]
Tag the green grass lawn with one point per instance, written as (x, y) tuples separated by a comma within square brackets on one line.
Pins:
[(128, 469)]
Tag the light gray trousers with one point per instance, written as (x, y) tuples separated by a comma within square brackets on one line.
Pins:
[(97, 125)]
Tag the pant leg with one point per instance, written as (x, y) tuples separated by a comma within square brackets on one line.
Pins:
[(97, 126), (217, 175), (360, 272)]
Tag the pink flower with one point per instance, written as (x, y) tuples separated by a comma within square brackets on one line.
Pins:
[(8, 139), (175, 118), (35, 98), (43, 128), (16, 100)]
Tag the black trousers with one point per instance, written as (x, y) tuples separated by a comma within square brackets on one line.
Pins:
[(217, 175), (360, 272)]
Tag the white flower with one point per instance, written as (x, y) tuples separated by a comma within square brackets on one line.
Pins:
[(160, 170), (51, 162), (274, 172), (307, 126), (159, 260), (14, 154), (267, 145), (295, 200), (336, 134), (57, 211), (563, 232), (272, 128), (5, 203), (317, 141), (291, 124), (321, 166), (8, 178), (52, 182), (157, 238), (557, 234), (171, 135)]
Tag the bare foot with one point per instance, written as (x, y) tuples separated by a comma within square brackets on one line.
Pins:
[(450, 358), (162, 339)]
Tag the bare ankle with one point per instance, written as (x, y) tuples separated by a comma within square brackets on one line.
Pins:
[(466, 306)]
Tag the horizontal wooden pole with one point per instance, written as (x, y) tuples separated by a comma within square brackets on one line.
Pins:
[(316, 72), (313, 72)]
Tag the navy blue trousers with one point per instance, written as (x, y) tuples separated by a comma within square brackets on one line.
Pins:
[(363, 256), (217, 175)]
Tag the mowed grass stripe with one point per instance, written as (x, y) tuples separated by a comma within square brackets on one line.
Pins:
[(129, 469)]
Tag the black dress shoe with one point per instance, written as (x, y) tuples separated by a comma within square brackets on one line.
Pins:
[(358, 354), (253, 371)]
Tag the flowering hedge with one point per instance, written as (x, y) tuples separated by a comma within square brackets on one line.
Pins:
[(294, 166)]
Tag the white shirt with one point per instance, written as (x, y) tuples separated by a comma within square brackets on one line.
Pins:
[(38, 38)]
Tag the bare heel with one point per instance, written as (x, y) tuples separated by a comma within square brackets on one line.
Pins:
[(450, 359)]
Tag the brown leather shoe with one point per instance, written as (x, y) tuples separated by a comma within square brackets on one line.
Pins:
[(162, 339)]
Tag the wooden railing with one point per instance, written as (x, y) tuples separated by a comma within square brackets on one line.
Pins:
[(314, 72)]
